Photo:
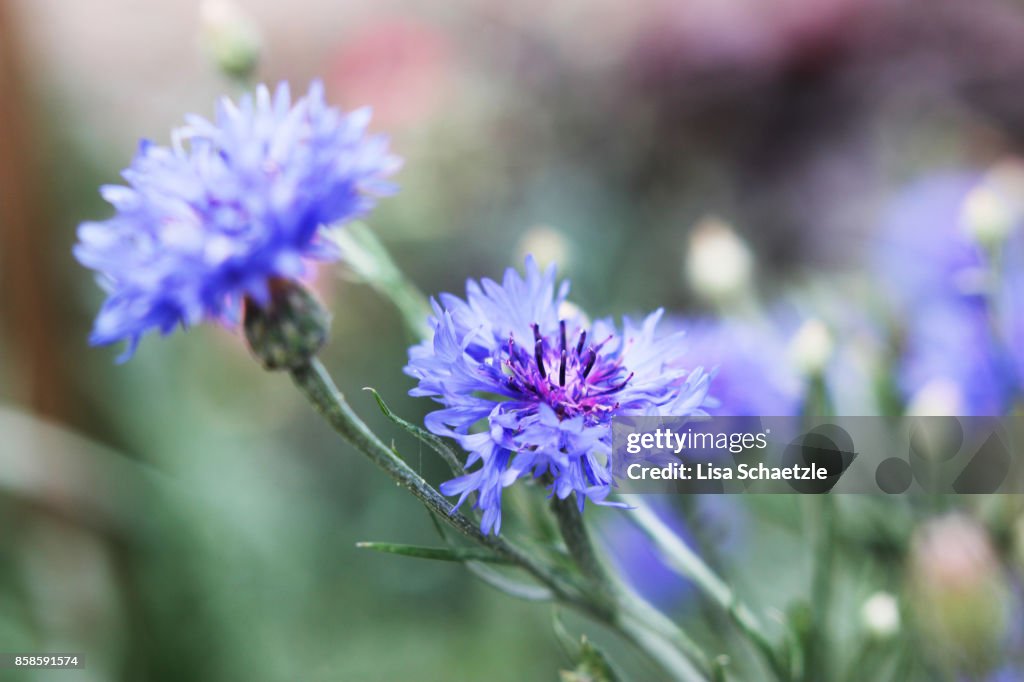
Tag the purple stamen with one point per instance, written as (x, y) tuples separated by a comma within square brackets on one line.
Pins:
[(538, 352), (561, 367), (591, 359), (607, 339), (583, 339), (617, 387)]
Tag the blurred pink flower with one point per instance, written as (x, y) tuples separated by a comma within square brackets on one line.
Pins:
[(400, 67)]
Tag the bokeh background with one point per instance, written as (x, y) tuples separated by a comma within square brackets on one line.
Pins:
[(185, 516)]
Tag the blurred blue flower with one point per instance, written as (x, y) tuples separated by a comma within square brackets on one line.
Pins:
[(940, 279), (1008, 673), (228, 206), (1011, 308), (544, 384), (640, 563), (636, 558), (952, 343), (753, 374), (921, 254)]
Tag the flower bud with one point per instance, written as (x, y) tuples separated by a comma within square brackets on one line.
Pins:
[(986, 216), (880, 615), (959, 592), (812, 347), (230, 37), (547, 245), (939, 397), (719, 266), (289, 329), (993, 209)]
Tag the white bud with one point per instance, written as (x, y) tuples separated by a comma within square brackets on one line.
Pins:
[(987, 216), (880, 615), (939, 397), (812, 347), (547, 245), (230, 37), (719, 266)]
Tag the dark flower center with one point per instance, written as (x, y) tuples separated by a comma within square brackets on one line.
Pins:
[(573, 380)]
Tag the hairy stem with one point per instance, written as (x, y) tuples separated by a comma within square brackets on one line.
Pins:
[(315, 383)]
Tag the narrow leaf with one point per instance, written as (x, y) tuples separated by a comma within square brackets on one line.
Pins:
[(593, 665), (435, 553), (502, 582), (421, 434)]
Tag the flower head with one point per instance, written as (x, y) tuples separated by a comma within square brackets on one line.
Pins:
[(544, 383), (959, 315), (754, 376), (230, 205)]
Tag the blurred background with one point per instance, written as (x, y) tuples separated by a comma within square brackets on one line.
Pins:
[(757, 168)]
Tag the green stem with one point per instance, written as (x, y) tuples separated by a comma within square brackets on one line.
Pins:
[(577, 541), (821, 526), (635, 609), (648, 630), (372, 263), (688, 564), (644, 625), (664, 650), (315, 383)]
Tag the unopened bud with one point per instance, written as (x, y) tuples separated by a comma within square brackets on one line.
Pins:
[(547, 245), (959, 592), (938, 398), (230, 37), (986, 216), (719, 266), (812, 347), (880, 615), (289, 330)]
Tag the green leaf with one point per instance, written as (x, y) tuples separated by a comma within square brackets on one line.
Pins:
[(718, 669), (438, 525), (436, 553), (592, 666), (497, 579), (511, 587), (369, 262), (570, 645), (422, 435)]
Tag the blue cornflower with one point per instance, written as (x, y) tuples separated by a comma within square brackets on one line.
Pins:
[(754, 376), (938, 275), (544, 384), (228, 207)]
